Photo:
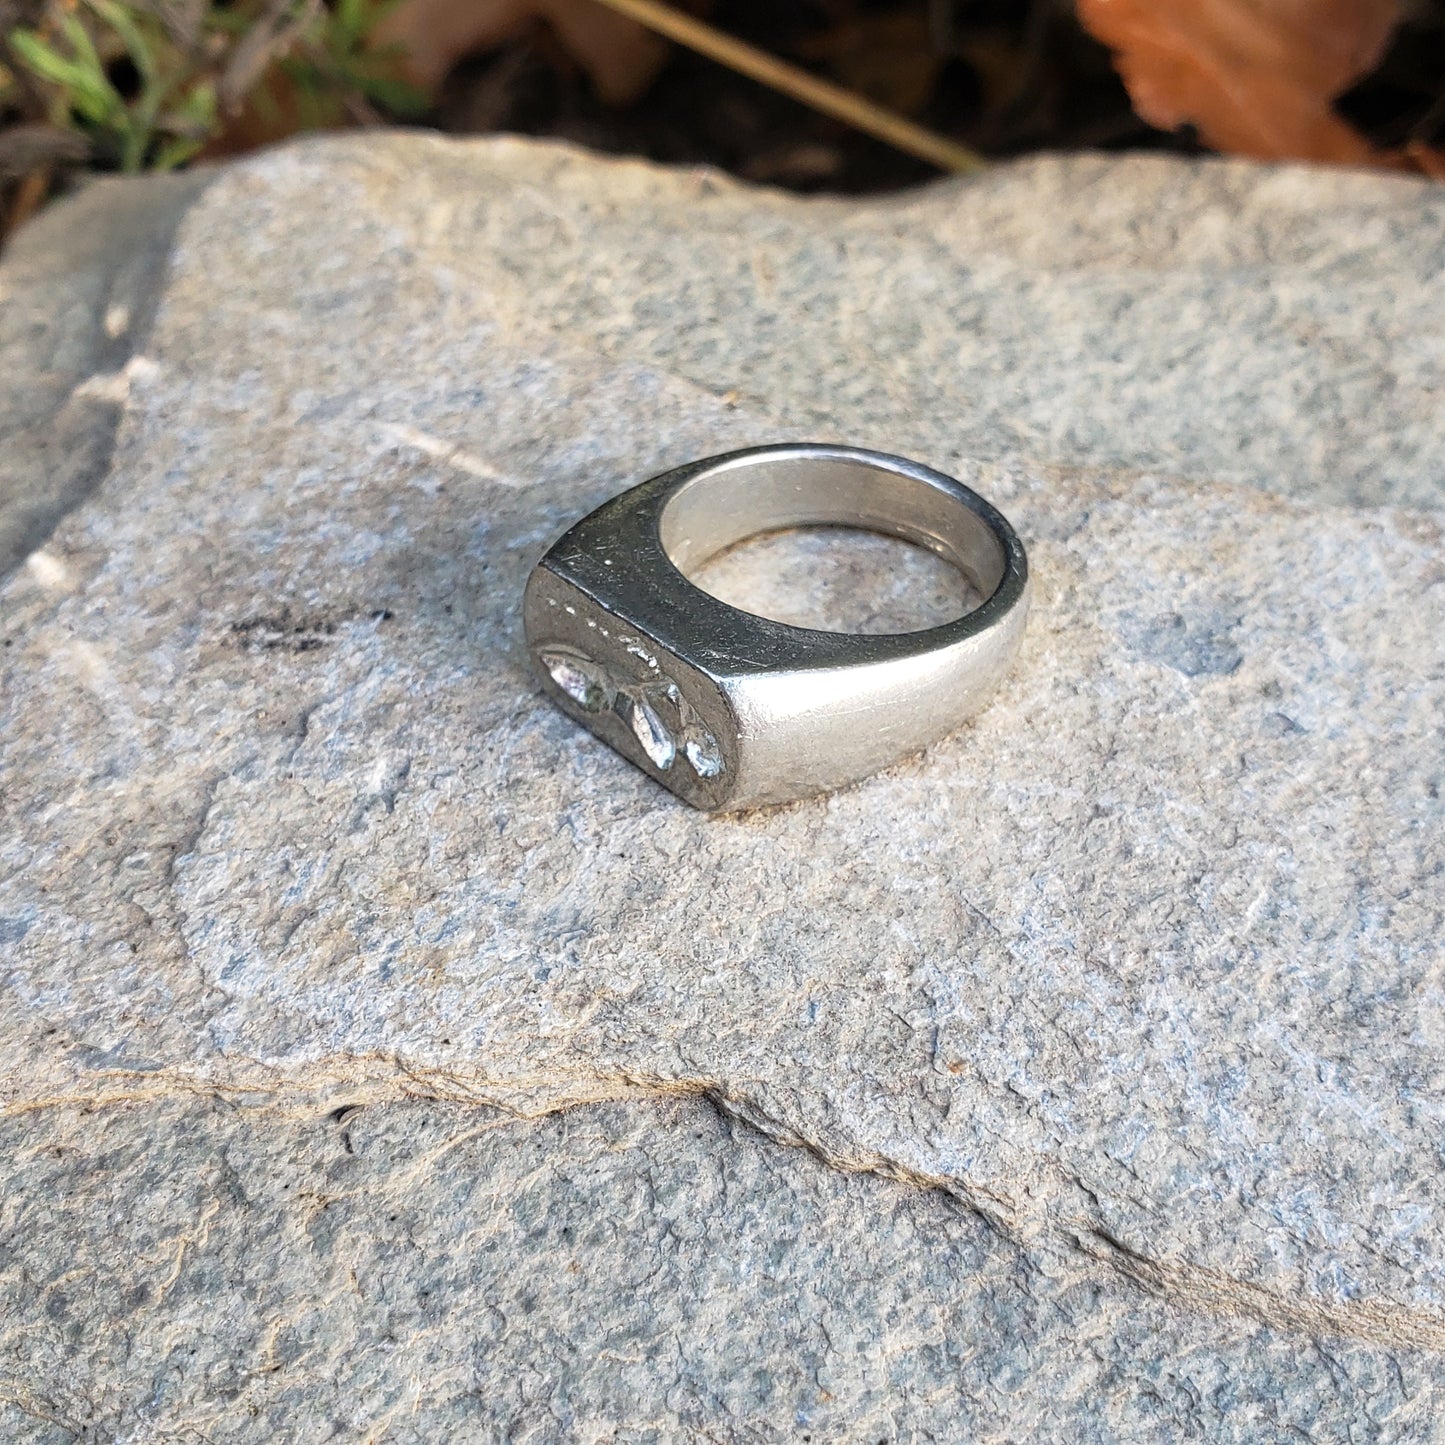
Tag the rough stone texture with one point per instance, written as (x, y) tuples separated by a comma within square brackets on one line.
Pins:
[(1143, 969), (1214, 321), (422, 1273), (76, 294)]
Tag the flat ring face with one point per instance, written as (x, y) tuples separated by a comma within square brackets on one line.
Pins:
[(731, 710)]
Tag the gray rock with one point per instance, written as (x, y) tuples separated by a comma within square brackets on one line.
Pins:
[(1215, 320), (78, 291), (1142, 968), (422, 1272)]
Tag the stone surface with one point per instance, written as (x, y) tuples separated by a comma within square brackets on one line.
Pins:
[(1143, 968), (1279, 328), (420, 1273), (78, 290)]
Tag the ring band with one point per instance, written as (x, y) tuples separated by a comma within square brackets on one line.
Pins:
[(731, 710)]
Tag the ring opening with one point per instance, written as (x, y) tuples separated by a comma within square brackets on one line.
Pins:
[(804, 515), (838, 579)]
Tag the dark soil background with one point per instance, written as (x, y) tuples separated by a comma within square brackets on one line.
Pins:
[(1002, 76)]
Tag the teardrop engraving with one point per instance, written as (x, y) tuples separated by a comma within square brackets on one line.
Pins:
[(581, 679), (703, 753), (649, 729)]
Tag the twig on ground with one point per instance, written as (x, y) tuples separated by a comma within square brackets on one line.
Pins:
[(811, 90)]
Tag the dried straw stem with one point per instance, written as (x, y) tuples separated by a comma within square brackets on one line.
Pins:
[(845, 105)]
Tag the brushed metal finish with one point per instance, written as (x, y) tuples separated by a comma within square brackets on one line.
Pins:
[(730, 710)]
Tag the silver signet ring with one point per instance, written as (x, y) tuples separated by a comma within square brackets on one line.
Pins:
[(731, 710)]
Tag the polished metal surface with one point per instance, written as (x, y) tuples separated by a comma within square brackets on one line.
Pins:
[(731, 710)]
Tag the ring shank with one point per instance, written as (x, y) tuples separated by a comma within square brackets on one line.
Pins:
[(751, 494)]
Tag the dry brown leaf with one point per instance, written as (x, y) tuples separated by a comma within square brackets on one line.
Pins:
[(618, 55), (1256, 77)]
